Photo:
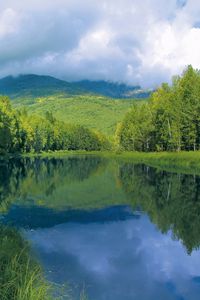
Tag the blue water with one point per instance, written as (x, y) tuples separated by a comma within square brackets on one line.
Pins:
[(118, 251)]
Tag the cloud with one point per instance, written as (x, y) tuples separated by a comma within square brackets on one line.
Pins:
[(137, 42)]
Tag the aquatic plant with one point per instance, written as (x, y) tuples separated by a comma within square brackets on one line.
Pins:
[(21, 278)]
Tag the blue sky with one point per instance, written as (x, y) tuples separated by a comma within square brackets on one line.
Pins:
[(136, 42)]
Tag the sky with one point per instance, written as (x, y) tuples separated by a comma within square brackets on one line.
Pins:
[(141, 42)]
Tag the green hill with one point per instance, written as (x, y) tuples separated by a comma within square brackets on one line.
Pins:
[(98, 105), (94, 112)]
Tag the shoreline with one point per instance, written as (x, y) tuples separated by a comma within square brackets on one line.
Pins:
[(179, 162)]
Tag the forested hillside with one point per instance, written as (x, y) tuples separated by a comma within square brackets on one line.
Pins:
[(21, 133), (97, 105), (94, 112)]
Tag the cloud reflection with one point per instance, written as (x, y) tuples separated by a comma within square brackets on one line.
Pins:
[(126, 260)]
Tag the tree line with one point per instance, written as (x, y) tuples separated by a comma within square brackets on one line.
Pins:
[(24, 133), (169, 121)]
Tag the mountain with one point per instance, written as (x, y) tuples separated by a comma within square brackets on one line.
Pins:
[(110, 89), (41, 86), (33, 86), (97, 105)]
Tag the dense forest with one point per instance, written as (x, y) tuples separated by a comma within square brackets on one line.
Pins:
[(169, 121), (22, 133)]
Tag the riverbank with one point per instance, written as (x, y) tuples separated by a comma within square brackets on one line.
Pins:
[(184, 162), (21, 277)]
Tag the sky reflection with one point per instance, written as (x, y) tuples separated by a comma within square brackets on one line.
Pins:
[(127, 260)]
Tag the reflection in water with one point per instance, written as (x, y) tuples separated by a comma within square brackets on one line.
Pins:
[(118, 260), (116, 228), (40, 217), (172, 201), (39, 181)]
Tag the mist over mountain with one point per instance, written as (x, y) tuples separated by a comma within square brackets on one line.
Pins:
[(40, 86)]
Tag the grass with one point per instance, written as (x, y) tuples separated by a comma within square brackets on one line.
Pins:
[(20, 276), (95, 112), (185, 162)]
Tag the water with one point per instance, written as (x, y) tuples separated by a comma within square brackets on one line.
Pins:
[(112, 229)]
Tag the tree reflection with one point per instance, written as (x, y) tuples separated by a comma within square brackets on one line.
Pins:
[(27, 179), (171, 200)]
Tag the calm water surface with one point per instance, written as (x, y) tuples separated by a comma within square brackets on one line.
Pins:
[(115, 230)]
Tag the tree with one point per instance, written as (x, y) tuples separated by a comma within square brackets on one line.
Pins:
[(136, 130), (170, 121)]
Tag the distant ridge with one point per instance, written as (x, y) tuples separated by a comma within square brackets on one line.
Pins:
[(40, 86)]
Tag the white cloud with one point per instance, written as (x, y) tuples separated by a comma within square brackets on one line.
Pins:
[(8, 22), (138, 42)]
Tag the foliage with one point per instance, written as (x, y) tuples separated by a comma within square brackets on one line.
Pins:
[(20, 277), (22, 133), (187, 162), (170, 121), (94, 112), (134, 131)]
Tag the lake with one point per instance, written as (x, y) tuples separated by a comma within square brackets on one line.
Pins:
[(107, 229)]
